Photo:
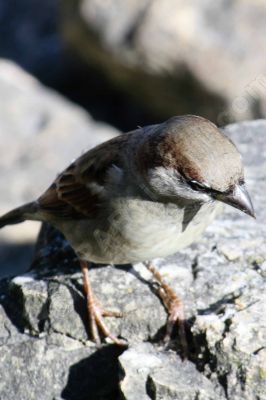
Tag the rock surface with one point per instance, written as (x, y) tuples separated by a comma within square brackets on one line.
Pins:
[(154, 374), (177, 56), (40, 134), (45, 351)]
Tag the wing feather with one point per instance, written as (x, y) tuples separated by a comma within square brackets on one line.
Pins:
[(78, 191)]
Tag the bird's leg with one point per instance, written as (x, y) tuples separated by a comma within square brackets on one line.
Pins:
[(95, 311), (174, 307)]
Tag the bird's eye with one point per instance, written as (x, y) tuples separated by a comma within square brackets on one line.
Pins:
[(241, 181), (195, 185)]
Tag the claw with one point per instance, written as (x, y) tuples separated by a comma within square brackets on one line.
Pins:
[(96, 312), (174, 307)]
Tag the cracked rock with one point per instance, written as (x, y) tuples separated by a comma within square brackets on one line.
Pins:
[(153, 374)]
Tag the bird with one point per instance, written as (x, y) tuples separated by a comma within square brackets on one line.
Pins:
[(142, 195)]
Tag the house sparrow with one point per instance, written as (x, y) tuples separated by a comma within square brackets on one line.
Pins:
[(139, 196)]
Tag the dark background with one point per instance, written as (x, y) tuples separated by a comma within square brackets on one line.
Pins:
[(30, 35)]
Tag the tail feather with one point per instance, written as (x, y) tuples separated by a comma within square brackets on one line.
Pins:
[(20, 214)]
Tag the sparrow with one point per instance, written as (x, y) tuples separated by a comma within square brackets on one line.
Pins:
[(139, 196)]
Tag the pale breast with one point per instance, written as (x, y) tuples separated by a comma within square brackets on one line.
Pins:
[(139, 230)]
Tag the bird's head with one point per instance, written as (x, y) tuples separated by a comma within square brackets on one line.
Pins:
[(188, 157)]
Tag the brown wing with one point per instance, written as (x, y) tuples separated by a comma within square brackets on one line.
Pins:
[(78, 191)]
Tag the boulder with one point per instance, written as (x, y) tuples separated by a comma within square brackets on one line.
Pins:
[(45, 348), (176, 56)]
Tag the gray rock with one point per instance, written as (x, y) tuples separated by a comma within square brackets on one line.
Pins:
[(183, 55), (38, 367), (43, 334), (154, 374), (40, 134)]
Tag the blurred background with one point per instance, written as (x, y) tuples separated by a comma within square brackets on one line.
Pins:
[(76, 72)]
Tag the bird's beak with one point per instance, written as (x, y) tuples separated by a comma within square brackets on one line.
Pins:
[(238, 198)]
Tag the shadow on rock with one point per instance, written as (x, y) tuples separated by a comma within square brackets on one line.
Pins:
[(96, 377)]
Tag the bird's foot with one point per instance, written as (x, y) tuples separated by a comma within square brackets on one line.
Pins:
[(97, 323), (96, 313), (175, 309)]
